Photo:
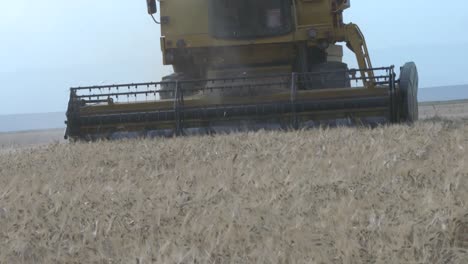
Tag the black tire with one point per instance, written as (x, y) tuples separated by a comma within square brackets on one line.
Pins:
[(170, 86), (460, 232), (409, 82), (331, 75)]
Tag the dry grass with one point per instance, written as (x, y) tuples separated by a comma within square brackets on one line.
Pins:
[(449, 109), (15, 140), (388, 195)]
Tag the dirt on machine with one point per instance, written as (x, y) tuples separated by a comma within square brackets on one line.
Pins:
[(249, 65)]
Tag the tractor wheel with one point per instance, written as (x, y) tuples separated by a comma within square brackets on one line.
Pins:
[(409, 93), (170, 87), (460, 233), (332, 75)]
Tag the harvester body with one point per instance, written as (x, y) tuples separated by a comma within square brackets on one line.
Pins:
[(249, 64)]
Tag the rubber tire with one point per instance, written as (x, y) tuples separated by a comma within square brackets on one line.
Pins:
[(460, 232), (172, 78), (338, 79), (165, 87), (409, 81)]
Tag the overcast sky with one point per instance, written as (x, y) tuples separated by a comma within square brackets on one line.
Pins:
[(47, 46)]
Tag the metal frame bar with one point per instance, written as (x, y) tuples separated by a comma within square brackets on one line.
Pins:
[(221, 84), (129, 85), (182, 115)]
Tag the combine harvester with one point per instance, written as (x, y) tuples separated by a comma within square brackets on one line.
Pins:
[(249, 65)]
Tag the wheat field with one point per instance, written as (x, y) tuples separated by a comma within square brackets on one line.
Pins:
[(395, 194)]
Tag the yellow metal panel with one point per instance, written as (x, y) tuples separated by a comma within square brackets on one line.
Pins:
[(206, 100), (316, 12), (186, 17), (189, 21)]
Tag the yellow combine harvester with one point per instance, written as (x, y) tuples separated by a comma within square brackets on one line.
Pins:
[(247, 65)]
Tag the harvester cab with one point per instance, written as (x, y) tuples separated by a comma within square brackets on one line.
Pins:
[(249, 65)]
